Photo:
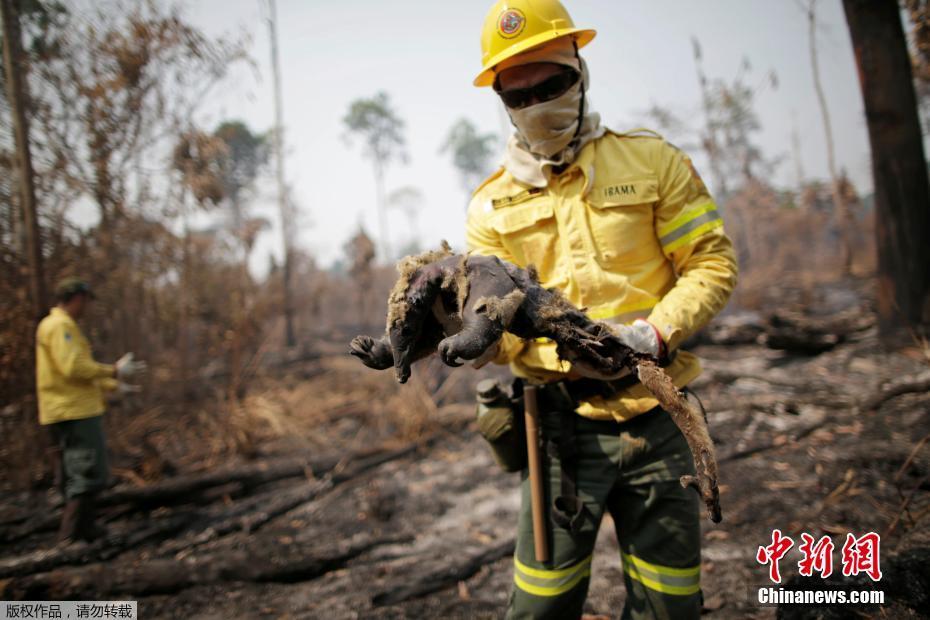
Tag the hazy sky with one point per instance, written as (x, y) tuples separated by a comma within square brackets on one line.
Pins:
[(425, 54)]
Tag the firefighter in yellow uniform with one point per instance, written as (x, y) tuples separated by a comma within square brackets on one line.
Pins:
[(622, 224), (71, 388)]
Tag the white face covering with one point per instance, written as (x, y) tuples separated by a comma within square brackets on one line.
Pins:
[(547, 133), (546, 128)]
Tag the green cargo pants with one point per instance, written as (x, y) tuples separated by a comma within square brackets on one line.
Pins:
[(632, 470), (84, 467)]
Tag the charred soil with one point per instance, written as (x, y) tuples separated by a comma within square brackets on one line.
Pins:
[(388, 519)]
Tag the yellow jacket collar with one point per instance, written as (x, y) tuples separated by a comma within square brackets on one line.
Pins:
[(62, 314)]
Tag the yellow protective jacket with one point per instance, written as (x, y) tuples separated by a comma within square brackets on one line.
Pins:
[(627, 231), (70, 384)]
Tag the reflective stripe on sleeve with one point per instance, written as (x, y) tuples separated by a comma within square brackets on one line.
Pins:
[(623, 314), (541, 582), (689, 226), (664, 579)]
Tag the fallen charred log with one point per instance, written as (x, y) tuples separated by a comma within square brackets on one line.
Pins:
[(265, 508), (246, 516), (101, 549), (182, 489), (195, 488), (902, 385), (730, 330), (787, 331), (434, 578), (788, 337), (271, 562), (112, 511)]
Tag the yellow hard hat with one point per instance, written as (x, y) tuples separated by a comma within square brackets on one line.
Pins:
[(515, 26)]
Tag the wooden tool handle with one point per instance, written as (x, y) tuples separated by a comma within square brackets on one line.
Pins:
[(537, 492)]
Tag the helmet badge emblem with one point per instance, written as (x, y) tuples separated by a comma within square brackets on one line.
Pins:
[(511, 23)]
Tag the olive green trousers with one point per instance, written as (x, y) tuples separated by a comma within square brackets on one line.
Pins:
[(630, 469), (84, 467)]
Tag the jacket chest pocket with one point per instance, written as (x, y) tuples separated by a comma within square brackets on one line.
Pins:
[(528, 232), (620, 212)]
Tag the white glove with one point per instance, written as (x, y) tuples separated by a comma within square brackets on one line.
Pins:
[(126, 389), (641, 336), (127, 367)]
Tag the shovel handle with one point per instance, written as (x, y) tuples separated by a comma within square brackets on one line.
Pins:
[(537, 493)]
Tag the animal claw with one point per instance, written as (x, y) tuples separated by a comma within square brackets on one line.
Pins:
[(361, 343), (448, 356), (372, 353)]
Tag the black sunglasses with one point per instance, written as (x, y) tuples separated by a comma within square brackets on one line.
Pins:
[(547, 90)]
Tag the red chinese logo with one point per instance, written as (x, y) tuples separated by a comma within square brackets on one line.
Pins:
[(860, 555), (773, 553), (817, 556)]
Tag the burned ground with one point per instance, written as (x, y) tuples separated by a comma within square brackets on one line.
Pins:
[(409, 517)]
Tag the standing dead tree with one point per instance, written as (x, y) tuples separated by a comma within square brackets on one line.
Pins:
[(844, 220), (409, 201), (728, 138), (196, 158), (241, 164), (360, 253), (18, 96), (918, 12), (709, 138), (375, 121), (285, 205), (899, 166)]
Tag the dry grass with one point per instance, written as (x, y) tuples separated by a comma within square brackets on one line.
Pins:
[(782, 246), (340, 406)]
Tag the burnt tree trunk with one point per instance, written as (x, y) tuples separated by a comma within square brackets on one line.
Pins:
[(285, 209), (902, 195), (18, 97), (272, 562)]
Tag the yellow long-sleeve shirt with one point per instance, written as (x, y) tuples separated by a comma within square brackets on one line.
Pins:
[(627, 231), (70, 384)]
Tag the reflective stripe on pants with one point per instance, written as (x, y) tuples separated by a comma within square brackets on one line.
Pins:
[(634, 475)]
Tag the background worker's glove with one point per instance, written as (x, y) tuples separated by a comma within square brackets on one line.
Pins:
[(643, 337), (127, 367), (127, 389)]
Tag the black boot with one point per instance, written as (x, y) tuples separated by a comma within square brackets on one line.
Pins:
[(68, 531), (87, 528)]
